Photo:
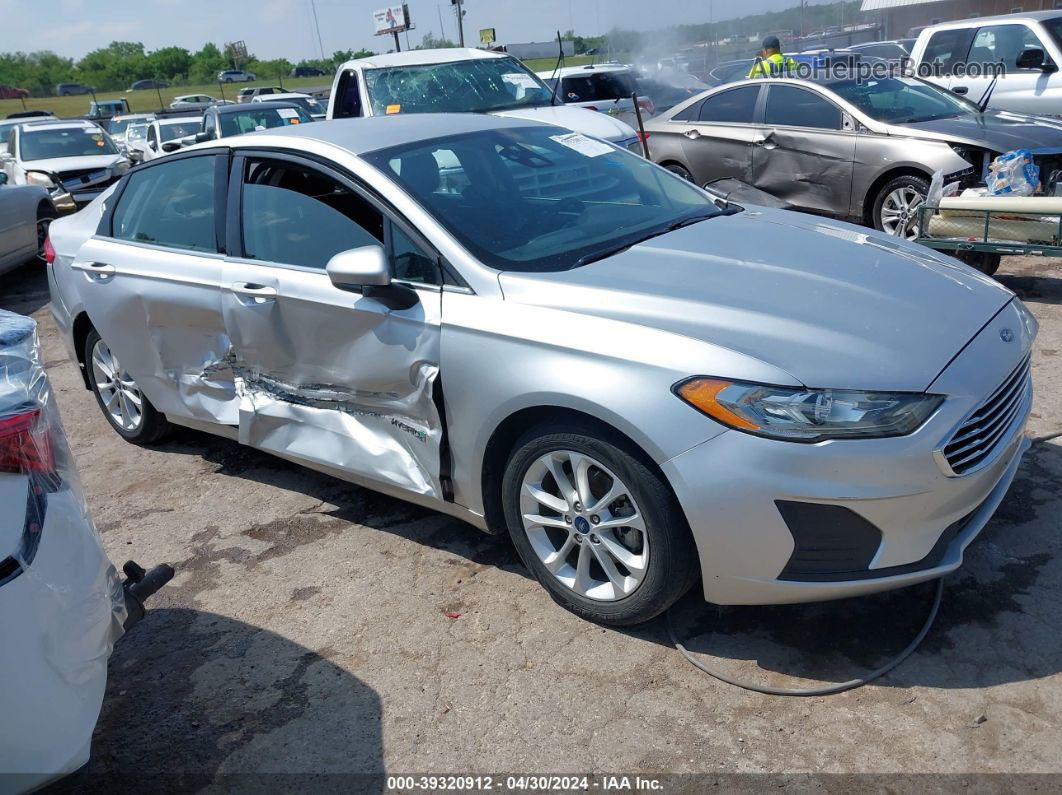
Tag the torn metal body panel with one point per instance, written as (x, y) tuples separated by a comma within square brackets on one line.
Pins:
[(335, 377), (811, 169)]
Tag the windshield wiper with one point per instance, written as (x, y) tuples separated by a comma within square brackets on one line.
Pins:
[(597, 256)]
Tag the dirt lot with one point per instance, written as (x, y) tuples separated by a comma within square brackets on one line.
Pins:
[(306, 631)]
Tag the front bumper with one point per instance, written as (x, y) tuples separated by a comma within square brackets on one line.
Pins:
[(738, 491)]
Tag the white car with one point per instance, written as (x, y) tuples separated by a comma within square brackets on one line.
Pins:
[(305, 101), (136, 141), (604, 87), (461, 81), (74, 160), (1029, 46), (236, 76), (193, 102), (62, 603), (164, 135), (118, 127)]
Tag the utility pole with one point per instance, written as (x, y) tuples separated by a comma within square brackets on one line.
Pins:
[(398, 45), (459, 10), (316, 24)]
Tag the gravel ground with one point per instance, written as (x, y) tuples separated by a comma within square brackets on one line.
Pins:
[(307, 632)]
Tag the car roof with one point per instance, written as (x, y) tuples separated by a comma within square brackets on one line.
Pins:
[(281, 97), (131, 116), (178, 119), (364, 135), (59, 124), (980, 22), (422, 58), (255, 106)]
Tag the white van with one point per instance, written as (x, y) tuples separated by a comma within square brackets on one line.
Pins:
[(1028, 45)]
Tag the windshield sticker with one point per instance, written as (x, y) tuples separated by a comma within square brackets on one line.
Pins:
[(583, 145), (287, 113), (393, 109), (520, 80)]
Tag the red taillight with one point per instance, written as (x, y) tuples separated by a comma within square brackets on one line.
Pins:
[(643, 136), (26, 444), (49, 251), (591, 107)]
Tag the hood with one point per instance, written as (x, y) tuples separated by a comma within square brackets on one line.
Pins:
[(587, 122), (1000, 132), (54, 164), (832, 304)]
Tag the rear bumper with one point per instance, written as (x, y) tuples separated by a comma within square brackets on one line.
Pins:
[(59, 620)]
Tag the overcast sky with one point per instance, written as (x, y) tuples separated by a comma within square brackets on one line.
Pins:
[(284, 28)]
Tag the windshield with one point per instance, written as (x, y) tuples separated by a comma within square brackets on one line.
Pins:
[(171, 130), (539, 198), (70, 142), (119, 126), (1054, 27), (307, 104), (136, 132), (598, 87), (258, 118), (902, 100), (479, 86)]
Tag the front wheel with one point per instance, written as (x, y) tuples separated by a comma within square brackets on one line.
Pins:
[(45, 216), (897, 206), (983, 261), (679, 171), (599, 529), (126, 408)]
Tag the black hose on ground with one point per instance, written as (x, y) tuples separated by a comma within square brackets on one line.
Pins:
[(817, 691)]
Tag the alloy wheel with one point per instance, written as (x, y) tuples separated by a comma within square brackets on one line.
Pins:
[(900, 212), (584, 525), (118, 392)]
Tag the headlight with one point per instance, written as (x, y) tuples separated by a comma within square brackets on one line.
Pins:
[(40, 178), (808, 415)]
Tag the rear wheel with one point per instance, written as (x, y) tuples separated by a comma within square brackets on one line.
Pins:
[(896, 208), (126, 408), (598, 528), (679, 171), (983, 261), (45, 216)]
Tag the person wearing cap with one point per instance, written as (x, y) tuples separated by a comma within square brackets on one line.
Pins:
[(771, 62)]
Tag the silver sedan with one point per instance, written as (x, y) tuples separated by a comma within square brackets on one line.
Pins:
[(548, 336), (26, 211)]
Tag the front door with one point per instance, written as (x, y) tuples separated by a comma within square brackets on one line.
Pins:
[(805, 155), (151, 281), (328, 376), (718, 143)]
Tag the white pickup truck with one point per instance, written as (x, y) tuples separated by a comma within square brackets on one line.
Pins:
[(462, 80)]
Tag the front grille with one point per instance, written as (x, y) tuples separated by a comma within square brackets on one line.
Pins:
[(73, 179), (978, 437)]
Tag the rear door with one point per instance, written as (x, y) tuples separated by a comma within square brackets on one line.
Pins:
[(150, 280), (806, 153), (720, 133), (330, 377)]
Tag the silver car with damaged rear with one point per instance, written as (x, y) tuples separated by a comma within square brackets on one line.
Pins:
[(546, 335)]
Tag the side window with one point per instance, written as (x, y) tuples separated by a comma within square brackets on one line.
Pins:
[(348, 100), (736, 106), (295, 215), (689, 114), (1003, 43), (794, 107), (409, 260), (152, 136), (948, 47), (170, 204)]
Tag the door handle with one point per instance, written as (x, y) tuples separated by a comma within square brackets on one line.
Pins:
[(961, 90), (693, 135), (766, 141), (95, 268), (254, 290)]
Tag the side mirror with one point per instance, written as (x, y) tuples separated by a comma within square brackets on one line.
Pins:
[(359, 267), (202, 137), (3, 178), (171, 146), (1032, 58)]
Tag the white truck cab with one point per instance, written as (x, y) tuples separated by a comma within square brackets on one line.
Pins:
[(461, 80), (1028, 45)]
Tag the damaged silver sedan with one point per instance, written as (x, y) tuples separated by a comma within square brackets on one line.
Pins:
[(545, 335)]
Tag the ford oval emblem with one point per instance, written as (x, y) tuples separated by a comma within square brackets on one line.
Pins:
[(1006, 335)]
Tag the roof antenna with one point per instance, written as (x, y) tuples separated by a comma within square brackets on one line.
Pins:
[(556, 69)]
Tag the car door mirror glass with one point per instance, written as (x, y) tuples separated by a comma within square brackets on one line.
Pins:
[(1031, 59), (359, 267), (3, 178), (171, 146)]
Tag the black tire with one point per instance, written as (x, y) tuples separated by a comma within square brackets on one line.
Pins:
[(153, 426), (983, 261), (45, 215), (673, 565), (919, 184), (680, 171)]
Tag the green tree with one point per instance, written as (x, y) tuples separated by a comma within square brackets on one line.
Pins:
[(430, 42), (170, 63)]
